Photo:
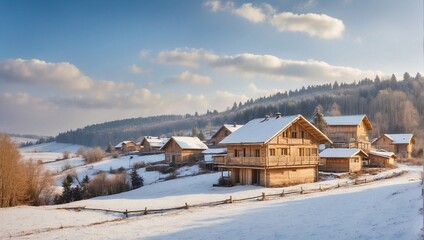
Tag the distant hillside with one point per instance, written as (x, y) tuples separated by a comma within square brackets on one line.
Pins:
[(392, 106)]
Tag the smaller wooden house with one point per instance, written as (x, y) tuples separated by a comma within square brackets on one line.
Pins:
[(126, 146), (400, 144), (183, 149), (349, 131), (381, 159), (341, 159), (151, 144), (222, 133)]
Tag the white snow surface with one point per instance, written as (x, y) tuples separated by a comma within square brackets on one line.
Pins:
[(232, 128), (190, 143), (340, 152), (215, 151), (48, 152), (386, 209), (400, 138), (346, 120), (382, 154), (155, 141)]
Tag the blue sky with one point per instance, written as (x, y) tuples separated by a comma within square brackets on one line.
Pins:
[(66, 64)]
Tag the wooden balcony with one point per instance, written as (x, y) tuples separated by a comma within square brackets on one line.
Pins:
[(273, 161)]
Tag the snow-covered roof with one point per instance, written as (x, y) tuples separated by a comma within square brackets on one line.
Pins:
[(119, 145), (340, 152), (383, 154), (400, 138), (262, 130), (233, 127), (215, 151), (155, 141), (188, 143), (348, 120)]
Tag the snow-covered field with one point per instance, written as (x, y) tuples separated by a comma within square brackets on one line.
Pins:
[(385, 209)]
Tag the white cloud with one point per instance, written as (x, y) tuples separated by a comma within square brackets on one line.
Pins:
[(37, 72), (143, 54), (192, 78), (251, 65), (250, 12), (188, 57), (262, 92), (319, 25), (136, 69)]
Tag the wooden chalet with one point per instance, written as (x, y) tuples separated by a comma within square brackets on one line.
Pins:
[(381, 159), (275, 151), (127, 146), (400, 144), (349, 131), (183, 149), (151, 144), (341, 159), (222, 133)]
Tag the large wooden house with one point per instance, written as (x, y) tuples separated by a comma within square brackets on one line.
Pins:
[(341, 159), (275, 151), (349, 131), (152, 144), (183, 149), (222, 133), (400, 144)]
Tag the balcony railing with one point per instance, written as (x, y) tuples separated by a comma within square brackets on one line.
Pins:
[(273, 161)]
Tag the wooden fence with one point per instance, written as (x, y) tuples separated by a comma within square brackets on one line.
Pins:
[(231, 200)]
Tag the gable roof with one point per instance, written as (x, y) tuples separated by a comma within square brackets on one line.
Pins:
[(193, 143), (405, 138), (119, 145), (155, 141), (348, 120), (382, 154), (341, 152), (230, 127), (262, 130)]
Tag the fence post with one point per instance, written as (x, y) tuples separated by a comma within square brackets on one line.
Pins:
[(145, 211), (263, 196), (338, 185), (186, 205), (126, 213), (301, 190), (320, 188), (282, 193), (231, 199)]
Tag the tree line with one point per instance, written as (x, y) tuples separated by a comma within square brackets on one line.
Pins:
[(393, 106)]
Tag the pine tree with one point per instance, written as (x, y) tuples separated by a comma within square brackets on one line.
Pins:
[(136, 180), (201, 135), (318, 119)]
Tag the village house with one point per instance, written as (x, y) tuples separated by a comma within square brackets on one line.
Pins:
[(222, 133), (349, 131), (400, 144), (151, 144), (126, 146), (183, 149), (341, 159), (381, 159), (275, 151)]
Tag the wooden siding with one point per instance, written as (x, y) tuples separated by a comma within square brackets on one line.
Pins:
[(291, 176), (174, 153), (378, 161), (352, 164), (349, 136), (222, 133)]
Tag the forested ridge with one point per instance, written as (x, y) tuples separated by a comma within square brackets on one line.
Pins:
[(393, 106)]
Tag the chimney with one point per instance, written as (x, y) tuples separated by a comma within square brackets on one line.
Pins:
[(277, 115), (235, 125)]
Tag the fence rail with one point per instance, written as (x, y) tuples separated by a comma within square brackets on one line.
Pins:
[(231, 200)]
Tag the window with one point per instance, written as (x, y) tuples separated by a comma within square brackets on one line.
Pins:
[(272, 152), (301, 152), (284, 151), (236, 153), (314, 151), (303, 134), (244, 152), (294, 134), (257, 153)]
